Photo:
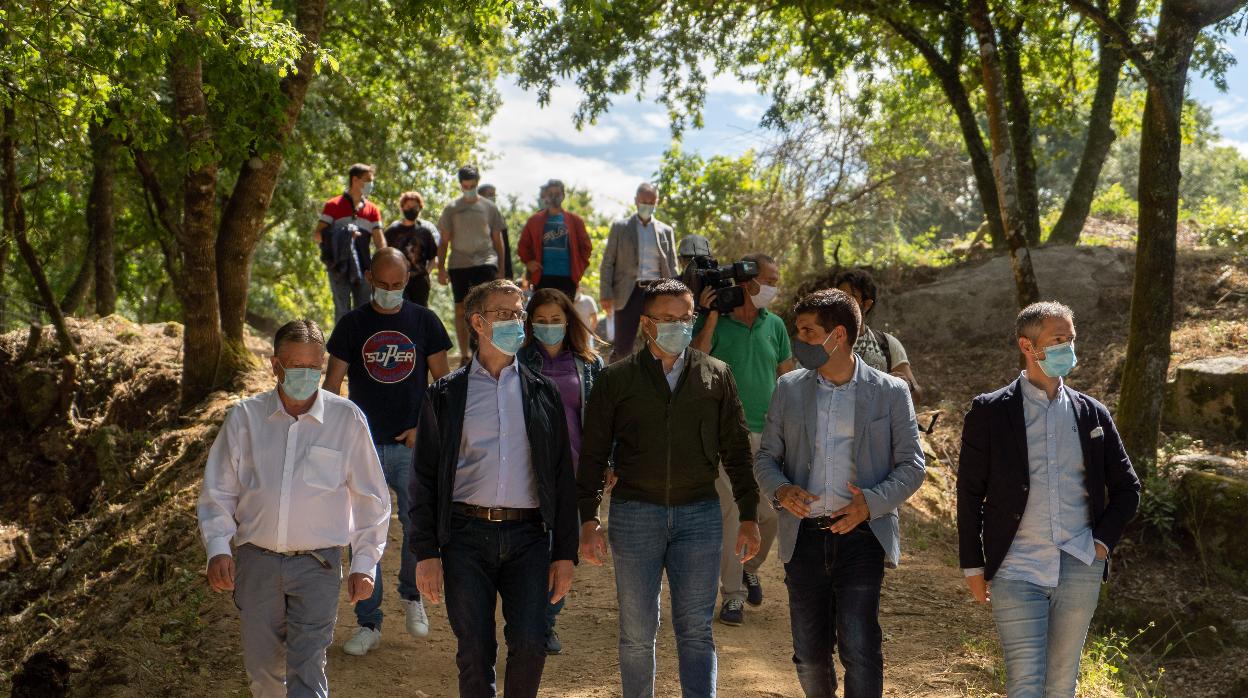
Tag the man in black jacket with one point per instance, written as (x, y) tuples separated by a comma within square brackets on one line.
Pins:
[(1045, 490), (493, 499), (671, 413)]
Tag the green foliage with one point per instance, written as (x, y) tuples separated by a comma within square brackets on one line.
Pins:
[(1113, 203), (1223, 224)]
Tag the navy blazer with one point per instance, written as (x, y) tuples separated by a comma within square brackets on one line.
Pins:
[(994, 477)]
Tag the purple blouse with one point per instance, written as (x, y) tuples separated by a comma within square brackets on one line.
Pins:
[(562, 370)]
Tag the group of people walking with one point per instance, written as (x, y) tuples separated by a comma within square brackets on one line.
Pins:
[(707, 440)]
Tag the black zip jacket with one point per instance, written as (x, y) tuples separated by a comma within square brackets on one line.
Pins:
[(437, 457), (667, 444)]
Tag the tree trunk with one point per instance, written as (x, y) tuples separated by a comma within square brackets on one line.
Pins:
[(1018, 107), (84, 280), (1152, 293), (101, 217), (201, 339), (15, 223), (242, 221), (1026, 289), (1100, 136)]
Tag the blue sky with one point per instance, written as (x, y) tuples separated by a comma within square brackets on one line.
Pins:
[(530, 144)]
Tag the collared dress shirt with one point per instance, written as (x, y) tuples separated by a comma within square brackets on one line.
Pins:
[(495, 467), (1058, 516), (288, 484), (833, 465), (649, 264)]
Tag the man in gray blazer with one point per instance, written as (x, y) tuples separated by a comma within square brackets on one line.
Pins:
[(640, 249), (840, 454)]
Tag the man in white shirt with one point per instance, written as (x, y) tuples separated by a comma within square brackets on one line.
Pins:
[(291, 478)]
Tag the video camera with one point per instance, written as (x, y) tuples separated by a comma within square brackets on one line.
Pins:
[(703, 271)]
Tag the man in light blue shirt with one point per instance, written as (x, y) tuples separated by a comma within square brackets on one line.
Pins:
[(840, 454), (1045, 490)]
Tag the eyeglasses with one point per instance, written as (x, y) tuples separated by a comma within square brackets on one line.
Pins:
[(688, 319), (504, 314)]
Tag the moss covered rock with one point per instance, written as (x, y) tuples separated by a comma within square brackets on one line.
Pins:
[(1214, 509), (1210, 396)]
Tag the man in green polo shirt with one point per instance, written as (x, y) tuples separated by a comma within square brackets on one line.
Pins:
[(755, 345)]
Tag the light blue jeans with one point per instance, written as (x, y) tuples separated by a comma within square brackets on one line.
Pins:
[(647, 539), (396, 463), (1042, 629)]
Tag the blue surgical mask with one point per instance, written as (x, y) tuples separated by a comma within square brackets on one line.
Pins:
[(388, 300), (673, 337), (549, 335), (507, 336), (646, 211), (300, 383), (1058, 360), (368, 188), (470, 193)]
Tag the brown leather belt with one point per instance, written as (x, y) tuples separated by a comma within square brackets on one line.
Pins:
[(497, 514)]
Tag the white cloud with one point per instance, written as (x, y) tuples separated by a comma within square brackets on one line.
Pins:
[(1241, 146)]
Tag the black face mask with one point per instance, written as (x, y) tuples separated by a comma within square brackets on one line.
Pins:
[(411, 213)]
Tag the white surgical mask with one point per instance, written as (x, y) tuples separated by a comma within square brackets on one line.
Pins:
[(645, 211), (766, 294)]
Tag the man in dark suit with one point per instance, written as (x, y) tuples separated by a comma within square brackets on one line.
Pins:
[(1045, 490), (493, 499)]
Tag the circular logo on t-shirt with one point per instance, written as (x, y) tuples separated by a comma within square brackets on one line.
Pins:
[(389, 356)]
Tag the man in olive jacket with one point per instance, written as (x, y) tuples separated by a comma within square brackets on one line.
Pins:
[(671, 413)]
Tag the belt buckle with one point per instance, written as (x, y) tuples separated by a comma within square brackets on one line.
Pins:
[(489, 515)]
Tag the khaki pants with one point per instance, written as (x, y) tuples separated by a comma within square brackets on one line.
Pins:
[(731, 585)]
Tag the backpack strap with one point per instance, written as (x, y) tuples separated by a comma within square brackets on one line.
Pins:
[(881, 339)]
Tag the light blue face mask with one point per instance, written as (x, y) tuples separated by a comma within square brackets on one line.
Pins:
[(299, 383), (549, 335), (1058, 360), (507, 336), (368, 188), (674, 337), (388, 300)]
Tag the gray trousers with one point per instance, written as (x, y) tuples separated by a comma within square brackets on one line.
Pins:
[(288, 606), (730, 568)]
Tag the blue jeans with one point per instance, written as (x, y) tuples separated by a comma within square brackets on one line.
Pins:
[(684, 540), (1042, 629), (396, 463), (482, 562), (834, 604), (347, 297)]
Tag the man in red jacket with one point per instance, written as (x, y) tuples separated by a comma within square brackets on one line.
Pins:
[(554, 245)]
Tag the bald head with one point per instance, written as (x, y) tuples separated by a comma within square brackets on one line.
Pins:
[(387, 256)]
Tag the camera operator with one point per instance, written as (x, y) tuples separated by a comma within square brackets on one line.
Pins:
[(755, 345)]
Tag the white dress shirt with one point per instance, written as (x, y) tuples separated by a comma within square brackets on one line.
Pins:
[(649, 262), (286, 484), (495, 468)]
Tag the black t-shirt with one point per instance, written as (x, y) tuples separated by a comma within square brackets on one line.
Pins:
[(387, 367), (414, 241)]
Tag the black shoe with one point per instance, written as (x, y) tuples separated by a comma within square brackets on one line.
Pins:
[(553, 645), (753, 588), (733, 613)]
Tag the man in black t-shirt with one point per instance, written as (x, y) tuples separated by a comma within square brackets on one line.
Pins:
[(417, 239), (387, 349)]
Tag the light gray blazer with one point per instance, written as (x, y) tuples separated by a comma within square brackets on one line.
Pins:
[(887, 453), (618, 274)]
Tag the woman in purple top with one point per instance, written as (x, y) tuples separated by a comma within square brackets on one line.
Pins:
[(559, 347)]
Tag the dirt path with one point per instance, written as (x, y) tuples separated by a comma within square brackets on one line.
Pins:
[(929, 638)]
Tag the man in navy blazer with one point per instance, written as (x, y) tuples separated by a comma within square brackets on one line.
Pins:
[(1045, 490), (839, 455)]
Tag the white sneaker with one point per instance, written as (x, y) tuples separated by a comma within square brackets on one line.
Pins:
[(361, 641), (417, 619)]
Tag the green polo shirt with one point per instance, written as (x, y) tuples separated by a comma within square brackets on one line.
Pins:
[(753, 353)]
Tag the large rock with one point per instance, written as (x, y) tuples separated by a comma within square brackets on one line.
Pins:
[(977, 304), (1210, 396), (1214, 509)]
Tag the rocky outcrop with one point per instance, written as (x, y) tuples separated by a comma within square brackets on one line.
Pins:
[(1210, 396)]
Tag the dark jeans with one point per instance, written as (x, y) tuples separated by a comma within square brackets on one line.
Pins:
[(563, 283), (627, 318), (834, 604), (482, 562), (396, 464)]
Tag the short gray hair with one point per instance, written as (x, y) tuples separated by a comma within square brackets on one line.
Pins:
[(302, 331), (1031, 318), (647, 187)]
